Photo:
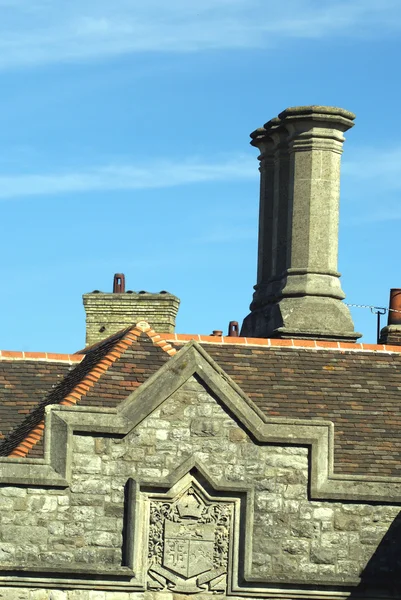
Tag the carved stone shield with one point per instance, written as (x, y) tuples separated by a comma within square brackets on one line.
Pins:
[(189, 535), (188, 547)]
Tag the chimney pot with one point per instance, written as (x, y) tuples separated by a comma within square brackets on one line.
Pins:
[(391, 334), (119, 283), (394, 313), (233, 329)]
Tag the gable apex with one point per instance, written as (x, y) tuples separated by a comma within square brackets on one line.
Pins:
[(191, 360)]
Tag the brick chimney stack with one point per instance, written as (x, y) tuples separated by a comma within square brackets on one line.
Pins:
[(391, 334), (298, 292), (107, 313)]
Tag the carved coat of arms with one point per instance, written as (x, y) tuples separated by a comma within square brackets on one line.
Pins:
[(188, 545)]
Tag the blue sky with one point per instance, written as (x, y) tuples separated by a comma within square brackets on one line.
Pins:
[(124, 148)]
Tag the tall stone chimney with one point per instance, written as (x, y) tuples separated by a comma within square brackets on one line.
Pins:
[(107, 313), (298, 292)]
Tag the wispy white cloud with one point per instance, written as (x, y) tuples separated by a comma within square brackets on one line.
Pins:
[(366, 174), (126, 177), (372, 177), (34, 32), (382, 166)]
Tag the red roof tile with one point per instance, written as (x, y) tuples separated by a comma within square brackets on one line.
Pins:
[(92, 382), (25, 378), (356, 386)]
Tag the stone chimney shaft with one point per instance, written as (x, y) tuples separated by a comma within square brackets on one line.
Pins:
[(298, 291)]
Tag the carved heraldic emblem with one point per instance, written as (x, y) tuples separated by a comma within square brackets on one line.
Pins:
[(189, 543)]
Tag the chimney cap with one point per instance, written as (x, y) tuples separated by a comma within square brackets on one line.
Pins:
[(260, 131), (263, 134), (343, 119), (314, 109)]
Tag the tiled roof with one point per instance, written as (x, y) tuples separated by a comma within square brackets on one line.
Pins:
[(139, 361), (107, 374), (356, 386), (25, 378)]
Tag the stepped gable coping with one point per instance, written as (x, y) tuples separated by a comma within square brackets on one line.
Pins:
[(92, 377), (180, 338)]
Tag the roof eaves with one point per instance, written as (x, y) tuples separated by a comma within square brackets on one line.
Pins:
[(92, 377)]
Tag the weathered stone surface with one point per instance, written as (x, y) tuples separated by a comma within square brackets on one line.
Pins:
[(323, 556), (298, 292), (108, 313), (293, 538)]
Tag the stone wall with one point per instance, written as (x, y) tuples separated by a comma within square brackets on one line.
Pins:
[(58, 594), (289, 537)]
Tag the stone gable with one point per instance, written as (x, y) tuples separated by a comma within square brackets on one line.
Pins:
[(282, 535)]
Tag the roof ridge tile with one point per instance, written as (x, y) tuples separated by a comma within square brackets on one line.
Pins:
[(306, 344), (42, 356), (75, 394), (157, 338)]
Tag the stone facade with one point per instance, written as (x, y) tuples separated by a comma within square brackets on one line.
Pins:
[(189, 478)]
